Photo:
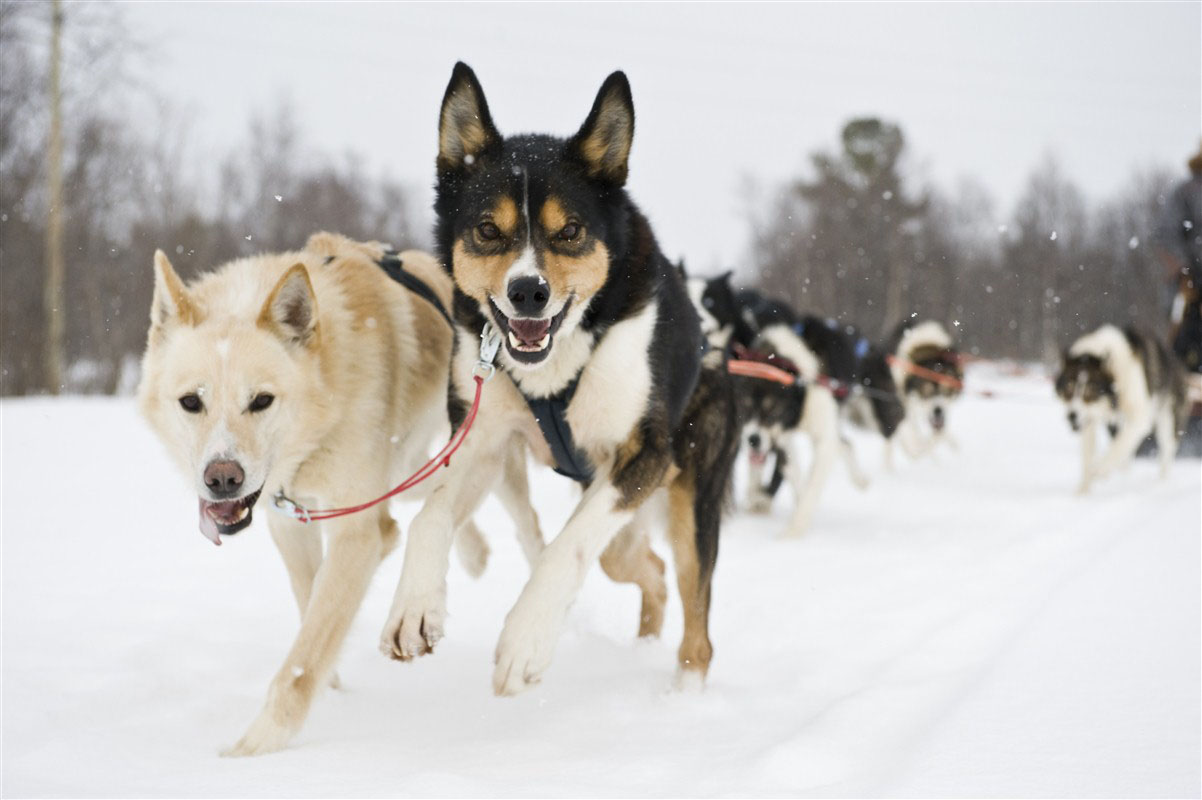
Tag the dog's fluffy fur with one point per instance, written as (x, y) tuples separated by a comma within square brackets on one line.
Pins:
[(544, 244), (927, 346), (311, 372), (1128, 382)]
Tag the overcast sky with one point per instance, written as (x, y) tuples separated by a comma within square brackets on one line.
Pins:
[(724, 94)]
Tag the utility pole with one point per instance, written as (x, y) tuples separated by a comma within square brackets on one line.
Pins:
[(52, 298)]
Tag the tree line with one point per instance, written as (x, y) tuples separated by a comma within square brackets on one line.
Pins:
[(859, 243), (857, 240)]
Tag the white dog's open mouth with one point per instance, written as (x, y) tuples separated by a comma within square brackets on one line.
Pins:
[(226, 517), (529, 340)]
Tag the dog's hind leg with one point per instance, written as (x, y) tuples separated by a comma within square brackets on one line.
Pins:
[(513, 490), (337, 590), (630, 559), (694, 571)]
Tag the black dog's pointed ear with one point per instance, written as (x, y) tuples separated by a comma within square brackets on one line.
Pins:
[(603, 142), (680, 270), (726, 276), (465, 128)]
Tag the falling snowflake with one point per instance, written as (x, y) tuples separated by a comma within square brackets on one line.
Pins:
[(279, 198), (1054, 236), (1133, 243)]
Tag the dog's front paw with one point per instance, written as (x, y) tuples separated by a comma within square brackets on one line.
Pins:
[(414, 627), (523, 652), (264, 735)]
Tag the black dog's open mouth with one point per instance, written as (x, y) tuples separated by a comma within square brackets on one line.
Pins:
[(227, 517), (528, 340)]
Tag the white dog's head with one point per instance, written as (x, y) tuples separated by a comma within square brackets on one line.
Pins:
[(227, 361)]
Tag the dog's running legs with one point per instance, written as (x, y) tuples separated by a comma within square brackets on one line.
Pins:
[(415, 621), (819, 421), (337, 591), (1089, 441), (1166, 438), (300, 547), (533, 624), (513, 490), (1122, 448), (693, 581), (853, 466), (630, 559)]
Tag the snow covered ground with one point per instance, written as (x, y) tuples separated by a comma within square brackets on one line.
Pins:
[(967, 626)]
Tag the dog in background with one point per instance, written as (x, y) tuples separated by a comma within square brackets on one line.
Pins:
[(928, 374), (842, 376), (316, 374), (599, 373), (1127, 381)]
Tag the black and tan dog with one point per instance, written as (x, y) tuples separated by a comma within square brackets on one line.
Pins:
[(600, 372)]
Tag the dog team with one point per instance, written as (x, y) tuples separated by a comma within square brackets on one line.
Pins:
[(550, 325)]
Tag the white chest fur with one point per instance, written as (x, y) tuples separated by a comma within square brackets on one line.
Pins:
[(615, 384)]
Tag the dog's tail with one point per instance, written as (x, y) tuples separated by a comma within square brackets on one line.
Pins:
[(471, 548)]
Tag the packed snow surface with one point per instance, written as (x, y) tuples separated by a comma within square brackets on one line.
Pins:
[(966, 626)]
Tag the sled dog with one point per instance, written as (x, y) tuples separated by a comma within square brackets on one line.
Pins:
[(316, 374), (599, 373)]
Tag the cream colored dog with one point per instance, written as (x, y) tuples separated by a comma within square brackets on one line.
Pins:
[(313, 373)]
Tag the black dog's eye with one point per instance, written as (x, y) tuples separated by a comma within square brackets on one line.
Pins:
[(708, 302), (488, 232), (191, 403), (261, 401), (569, 232)]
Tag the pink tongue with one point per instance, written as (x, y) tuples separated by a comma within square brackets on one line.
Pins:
[(530, 331), (208, 526), (758, 458)]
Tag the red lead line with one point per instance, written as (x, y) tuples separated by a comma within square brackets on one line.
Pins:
[(292, 509)]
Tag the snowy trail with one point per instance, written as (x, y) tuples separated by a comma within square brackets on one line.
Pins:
[(965, 626)]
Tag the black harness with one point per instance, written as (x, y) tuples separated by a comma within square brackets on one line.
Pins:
[(551, 415), (549, 412), (395, 269)]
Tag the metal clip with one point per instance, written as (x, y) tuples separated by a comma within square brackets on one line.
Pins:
[(288, 507), (490, 342)]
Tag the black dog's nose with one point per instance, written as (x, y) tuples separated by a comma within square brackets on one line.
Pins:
[(224, 478), (529, 295), (754, 440)]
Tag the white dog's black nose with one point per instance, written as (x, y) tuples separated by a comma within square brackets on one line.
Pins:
[(1072, 420), (529, 295), (224, 478)]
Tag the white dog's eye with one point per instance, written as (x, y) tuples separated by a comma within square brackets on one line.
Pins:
[(191, 403), (261, 401)]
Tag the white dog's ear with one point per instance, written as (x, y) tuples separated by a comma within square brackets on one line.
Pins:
[(171, 300), (603, 141), (291, 308)]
